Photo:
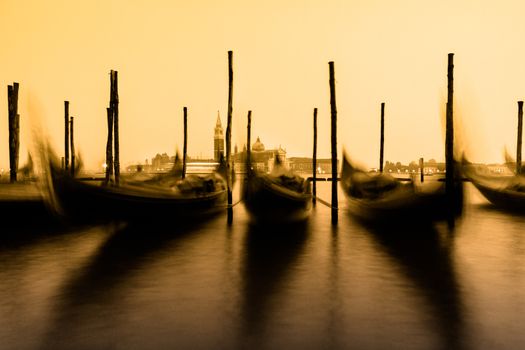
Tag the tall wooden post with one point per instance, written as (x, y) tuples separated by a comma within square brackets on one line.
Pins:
[(249, 143), (114, 107), (449, 141), (422, 169), (382, 140), (229, 135), (314, 160), (333, 109), (185, 147), (109, 147), (520, 131), (66, 135), (14, 130), (72, 144)]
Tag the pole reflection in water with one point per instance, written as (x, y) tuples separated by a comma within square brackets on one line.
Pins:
[(35, 263), (310, 286), (426, 259), (94, 294), (270, 254), (333, 324)]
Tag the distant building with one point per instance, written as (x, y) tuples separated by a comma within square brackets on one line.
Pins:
[(499, 169), (162, 162), (218, 140), (263, 160), (429, 168), (304, 165)]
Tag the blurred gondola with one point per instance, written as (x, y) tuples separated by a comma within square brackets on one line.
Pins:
[(383, 197), (280, 196), (159, 198)]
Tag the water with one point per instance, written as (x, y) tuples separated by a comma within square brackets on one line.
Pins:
[(309, 287)]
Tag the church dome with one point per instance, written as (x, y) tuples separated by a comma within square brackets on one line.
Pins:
[(258, 146)]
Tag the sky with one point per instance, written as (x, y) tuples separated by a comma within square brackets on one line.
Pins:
[(171, 54)]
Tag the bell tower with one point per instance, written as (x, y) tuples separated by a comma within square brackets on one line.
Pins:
[(218, 140)]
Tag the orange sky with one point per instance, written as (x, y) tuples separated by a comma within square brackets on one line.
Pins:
[(171, 54)]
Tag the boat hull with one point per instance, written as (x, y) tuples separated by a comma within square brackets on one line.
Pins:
[(83, 200), (502, 198), (22, 201), (408, 205), (504, 192), (382, 198), (269, 202)]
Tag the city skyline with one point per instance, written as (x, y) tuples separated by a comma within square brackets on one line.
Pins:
[(172, 54)]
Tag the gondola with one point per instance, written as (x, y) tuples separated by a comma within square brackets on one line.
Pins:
[(168, 198), (380, 197), (23, 199), (503, 191), (20, 201), (278, 197)]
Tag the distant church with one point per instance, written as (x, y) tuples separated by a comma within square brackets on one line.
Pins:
[(218, 140), (263, 159)]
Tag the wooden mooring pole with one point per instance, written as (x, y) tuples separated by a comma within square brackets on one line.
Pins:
[(14, 130), (185, 147), (109, 146), (382, 139), (314, 161), (520, 133), (229, 136), (449, 141), (66, 135), (114, 101), (422, 169), (249, 142), (72, 145), (333, 142)]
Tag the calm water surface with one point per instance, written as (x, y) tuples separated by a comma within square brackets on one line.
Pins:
[(305, 287)]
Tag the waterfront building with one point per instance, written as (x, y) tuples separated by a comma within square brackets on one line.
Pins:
[(263, 160), (304, 165), (162, 162)]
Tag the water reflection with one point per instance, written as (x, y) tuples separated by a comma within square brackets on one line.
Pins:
[(425, 257), (95, 295), (334, 293), (270, 254), (33, 267), (240, 286)]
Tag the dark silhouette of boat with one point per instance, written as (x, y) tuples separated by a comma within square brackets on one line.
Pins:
[(162, 198), (23, 200), (20, 202), (383, 197), (280, 196), (505, 192)]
